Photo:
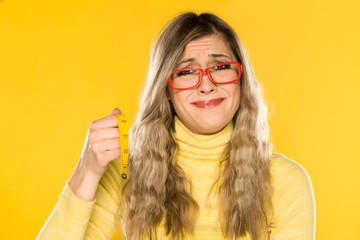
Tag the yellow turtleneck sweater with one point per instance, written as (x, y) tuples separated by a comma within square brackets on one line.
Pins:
[(293, 198)]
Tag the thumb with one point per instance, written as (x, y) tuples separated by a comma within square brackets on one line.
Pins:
[(116, 111)]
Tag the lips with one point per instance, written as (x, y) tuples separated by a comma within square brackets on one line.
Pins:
[(208, 103)]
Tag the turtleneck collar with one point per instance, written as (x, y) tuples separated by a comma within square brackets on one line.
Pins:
[(202, 147)]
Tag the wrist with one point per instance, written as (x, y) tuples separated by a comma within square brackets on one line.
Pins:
[(84, 184)]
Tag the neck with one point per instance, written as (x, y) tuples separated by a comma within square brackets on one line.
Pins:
[(205, 147)]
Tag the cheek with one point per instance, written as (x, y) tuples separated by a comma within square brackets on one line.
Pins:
[(235, 100), (237, 95), (178, 99), (234, 93)]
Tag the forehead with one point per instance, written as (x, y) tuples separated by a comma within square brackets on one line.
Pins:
[(207, 44)]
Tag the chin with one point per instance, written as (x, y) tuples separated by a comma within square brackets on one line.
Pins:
[(211, 126)]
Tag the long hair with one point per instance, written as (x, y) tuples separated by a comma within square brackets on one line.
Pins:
[(156, 189)]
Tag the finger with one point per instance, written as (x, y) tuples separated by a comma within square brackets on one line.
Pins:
[(106, 144), (105, 122), (104, 133), (116, 111), (104, 158), (112, 154)]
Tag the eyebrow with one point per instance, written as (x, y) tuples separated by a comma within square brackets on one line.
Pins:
[(213, 55)]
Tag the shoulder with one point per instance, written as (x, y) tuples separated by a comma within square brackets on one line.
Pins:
[(293, 199), (283, 168), (290, 181)]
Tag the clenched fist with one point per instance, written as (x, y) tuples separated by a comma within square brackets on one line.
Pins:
[(102, 145)]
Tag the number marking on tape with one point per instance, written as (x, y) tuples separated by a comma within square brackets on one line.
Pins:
[(124, 143)]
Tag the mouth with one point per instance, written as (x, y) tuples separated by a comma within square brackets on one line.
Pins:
[(208, 103)]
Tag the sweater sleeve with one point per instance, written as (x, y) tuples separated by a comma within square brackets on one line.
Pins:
[(74, 218), (294, 203), (103, 224)]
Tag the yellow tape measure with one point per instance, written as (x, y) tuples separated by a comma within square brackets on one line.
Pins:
[(124, 143)]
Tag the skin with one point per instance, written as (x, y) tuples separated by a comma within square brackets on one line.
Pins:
[(211, 119)]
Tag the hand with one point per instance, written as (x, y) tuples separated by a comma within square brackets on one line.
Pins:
[(102, 144)]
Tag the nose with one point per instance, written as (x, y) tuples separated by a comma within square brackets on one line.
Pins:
[(206, 85)]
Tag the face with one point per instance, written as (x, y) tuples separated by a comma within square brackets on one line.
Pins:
[(207, 108)]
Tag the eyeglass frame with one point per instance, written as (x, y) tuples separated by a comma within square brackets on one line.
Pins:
[(203, 72)]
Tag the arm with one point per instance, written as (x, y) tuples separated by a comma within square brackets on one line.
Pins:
[(294, 203), (102, 224), (74, 218), (86, 209), (69, 219)]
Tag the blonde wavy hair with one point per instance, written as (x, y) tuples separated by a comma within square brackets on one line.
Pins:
[(156, 189)]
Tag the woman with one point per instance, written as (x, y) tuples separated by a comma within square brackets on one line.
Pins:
[(200, 164)]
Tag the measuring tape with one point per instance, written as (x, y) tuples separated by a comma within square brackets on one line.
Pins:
[(124, 143)]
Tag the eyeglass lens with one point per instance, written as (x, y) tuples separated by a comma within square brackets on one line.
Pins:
[(188, 78)]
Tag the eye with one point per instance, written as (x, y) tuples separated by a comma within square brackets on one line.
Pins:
[(184, 73), (222, 67)]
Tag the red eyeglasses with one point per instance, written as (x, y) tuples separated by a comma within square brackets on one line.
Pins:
[(183, 79)]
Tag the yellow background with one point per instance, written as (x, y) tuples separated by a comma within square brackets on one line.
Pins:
[(64, 64)]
